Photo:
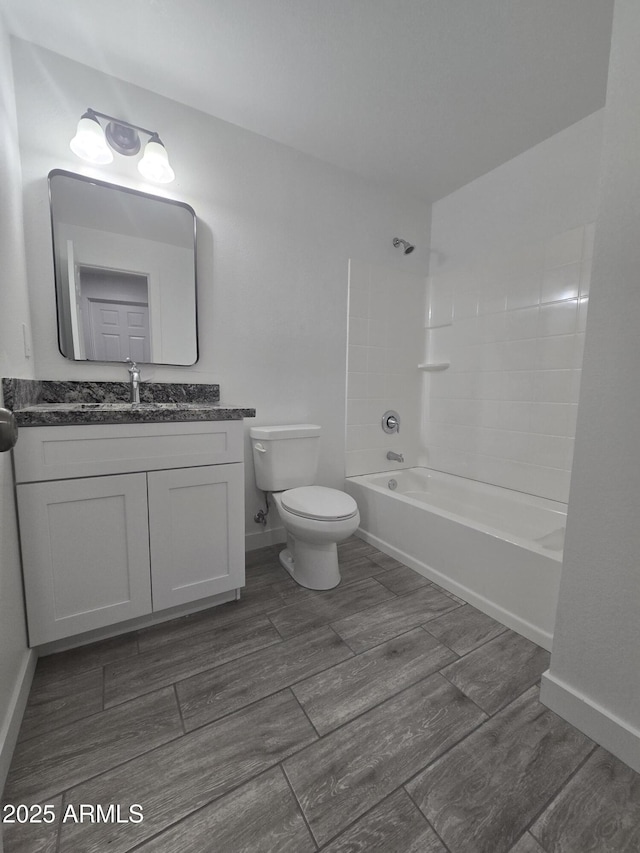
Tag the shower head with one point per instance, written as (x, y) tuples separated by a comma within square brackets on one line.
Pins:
[(408, 248)]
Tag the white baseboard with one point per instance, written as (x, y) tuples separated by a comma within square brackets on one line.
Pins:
[(598, 723), (15, 712), (263, 538), (506, 617)]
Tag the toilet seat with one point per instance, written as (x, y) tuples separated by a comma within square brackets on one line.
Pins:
[(319, 503)]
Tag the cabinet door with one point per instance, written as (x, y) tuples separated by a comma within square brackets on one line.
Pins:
[(196, 529), (85, 548)]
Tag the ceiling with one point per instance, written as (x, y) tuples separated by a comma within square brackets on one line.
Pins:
[(420, 95)]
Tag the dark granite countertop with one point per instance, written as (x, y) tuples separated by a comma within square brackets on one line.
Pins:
[(50, 403)]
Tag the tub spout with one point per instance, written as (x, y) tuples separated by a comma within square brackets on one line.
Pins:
[(395, 457)]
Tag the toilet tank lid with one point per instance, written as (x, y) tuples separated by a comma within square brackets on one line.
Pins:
[(276, 433)]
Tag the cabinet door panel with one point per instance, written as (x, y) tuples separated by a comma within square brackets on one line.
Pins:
[(196, 526), (85, 546)]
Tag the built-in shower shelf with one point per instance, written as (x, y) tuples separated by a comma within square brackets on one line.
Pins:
[(433, 366)]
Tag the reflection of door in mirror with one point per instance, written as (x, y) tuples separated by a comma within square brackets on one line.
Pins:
[(114, 314)]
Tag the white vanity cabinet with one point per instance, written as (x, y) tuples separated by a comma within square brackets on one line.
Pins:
[(119, 521)]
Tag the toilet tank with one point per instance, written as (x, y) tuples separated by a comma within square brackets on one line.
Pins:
[(286, 456)]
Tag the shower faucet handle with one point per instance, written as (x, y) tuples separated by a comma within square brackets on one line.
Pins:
[(391, 422)]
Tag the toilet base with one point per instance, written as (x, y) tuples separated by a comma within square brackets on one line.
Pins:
[(311, 565)]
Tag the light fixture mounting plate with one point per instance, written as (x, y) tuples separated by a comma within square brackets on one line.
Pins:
[(123, 138)]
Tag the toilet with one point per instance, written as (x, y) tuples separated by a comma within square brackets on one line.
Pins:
[(315, 518)]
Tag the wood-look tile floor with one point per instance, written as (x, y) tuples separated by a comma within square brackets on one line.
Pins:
[(385, 715)]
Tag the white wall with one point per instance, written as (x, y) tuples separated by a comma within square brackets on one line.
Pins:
[(594, 679), (508, 293), (276, 231), (386, 312), (15, 659)]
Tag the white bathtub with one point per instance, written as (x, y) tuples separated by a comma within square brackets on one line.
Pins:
[(497, 549)]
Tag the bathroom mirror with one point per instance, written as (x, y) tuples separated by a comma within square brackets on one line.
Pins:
[(125, 273)]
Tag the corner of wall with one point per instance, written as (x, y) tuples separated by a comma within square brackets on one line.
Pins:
[(598, 723)]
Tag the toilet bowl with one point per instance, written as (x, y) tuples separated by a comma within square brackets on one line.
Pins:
[(315, 518)]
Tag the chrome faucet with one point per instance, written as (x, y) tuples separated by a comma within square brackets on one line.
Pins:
[(134, 374), (395, 457)]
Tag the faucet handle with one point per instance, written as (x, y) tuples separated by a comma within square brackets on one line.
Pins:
[(132, 365), (391, 422)]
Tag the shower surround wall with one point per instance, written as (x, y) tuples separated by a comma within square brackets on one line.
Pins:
[(507, 304), (386, 310)]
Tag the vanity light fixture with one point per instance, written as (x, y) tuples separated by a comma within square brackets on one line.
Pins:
[(95, 145)]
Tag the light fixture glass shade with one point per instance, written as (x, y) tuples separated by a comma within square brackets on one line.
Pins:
[(155, 163), (89, 142)]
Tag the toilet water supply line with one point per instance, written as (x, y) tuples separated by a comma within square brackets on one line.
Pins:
[(261, 516)]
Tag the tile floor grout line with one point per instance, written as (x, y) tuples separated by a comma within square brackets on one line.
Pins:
[(393, 696), (352, 823), (536, 683), (435, 831), (480, 644), (175, 695), (56, 847), (111, 767), (473, 731), (346, 722), (519, 839), (398, 594), (180, 641), (377, 705), (271, 622), (458, 656), (473, 701), (55, 727), (313, 725), (557, 793), (277, 642), (243, 708), (419, 625), (456, 606), (270, 695), (195, 811), (299, 805), (388, 640), (491, 715), (446, 751), (278, 690), (312, 597), (89, 716)]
